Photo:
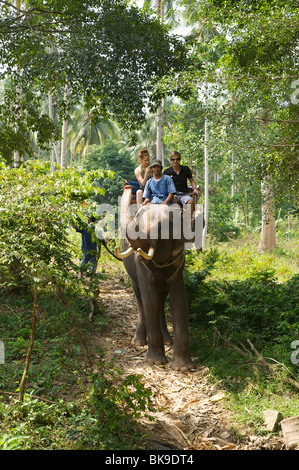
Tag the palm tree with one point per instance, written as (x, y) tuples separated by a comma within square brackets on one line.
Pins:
[(84, 132), (146, 136)]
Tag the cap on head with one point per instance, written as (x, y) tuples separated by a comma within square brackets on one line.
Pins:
[(156, 162)]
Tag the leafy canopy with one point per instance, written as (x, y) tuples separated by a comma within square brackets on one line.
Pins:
[(106, 51)]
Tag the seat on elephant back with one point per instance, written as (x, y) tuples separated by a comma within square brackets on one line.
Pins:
[(190, 193)]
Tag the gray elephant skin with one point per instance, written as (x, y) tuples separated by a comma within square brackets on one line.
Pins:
[(155, 266)]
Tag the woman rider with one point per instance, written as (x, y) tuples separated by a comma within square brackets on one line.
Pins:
[(142, 173)]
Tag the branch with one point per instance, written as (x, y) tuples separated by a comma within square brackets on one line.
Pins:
[(250, 77), (30, 347), (31, 396), (261, 360), (233, 346)]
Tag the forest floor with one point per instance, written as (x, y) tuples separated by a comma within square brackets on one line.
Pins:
[(192, 413)]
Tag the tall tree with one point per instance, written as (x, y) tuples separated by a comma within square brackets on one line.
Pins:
[(165, 11), (259, 64), (16, 154), (109, 53), (159, 149), (64, 128)]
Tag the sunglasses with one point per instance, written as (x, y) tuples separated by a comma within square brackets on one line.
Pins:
[(175, 159)]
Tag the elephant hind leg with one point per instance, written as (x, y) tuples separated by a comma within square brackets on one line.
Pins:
[(182, 364), (140, 332), (163, 325)]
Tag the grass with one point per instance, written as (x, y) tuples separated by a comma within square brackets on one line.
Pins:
[(62, 407), (232, 289), (239, 259), (236, 294)]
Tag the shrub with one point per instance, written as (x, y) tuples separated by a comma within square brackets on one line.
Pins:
[(257, 307), (36, 208)]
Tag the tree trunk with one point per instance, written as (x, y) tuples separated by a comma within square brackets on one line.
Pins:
[(16, 154), (268, 235), (159, 145), (159, 152), (64, 130), (206, 162), (233, 183), (51, 117), (34, 323)]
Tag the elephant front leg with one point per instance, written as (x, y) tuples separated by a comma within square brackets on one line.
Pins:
[(152, 310), (179, 312)]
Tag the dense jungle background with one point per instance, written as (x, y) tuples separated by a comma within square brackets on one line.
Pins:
[(84, 87)]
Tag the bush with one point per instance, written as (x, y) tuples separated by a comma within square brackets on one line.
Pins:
[(258, 307), (36, 208)]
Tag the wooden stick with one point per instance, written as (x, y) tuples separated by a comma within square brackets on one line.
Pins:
[(231, 344), (30, 347)]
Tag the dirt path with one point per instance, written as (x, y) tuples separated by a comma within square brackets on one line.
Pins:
[(191, 412)]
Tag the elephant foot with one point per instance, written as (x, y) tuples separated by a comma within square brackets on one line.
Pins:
[(156, 359), (182, 364), (139, 341)]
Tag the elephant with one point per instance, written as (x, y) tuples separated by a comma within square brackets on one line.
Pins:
[(154, 258)]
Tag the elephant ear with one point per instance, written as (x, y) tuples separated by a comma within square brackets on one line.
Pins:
[(193, 232)]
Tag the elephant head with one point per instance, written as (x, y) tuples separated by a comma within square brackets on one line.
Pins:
[(157, 231)]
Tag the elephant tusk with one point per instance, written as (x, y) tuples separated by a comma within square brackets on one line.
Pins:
[(148, 255), (125, 254)]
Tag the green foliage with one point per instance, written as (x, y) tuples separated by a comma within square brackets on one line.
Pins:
[(104, 419), (101, 416), (246, 305), (114, 400), (59, 342), (108, 52), (36, 208), (11, 442), (109, 157), (115, 405), (234, 295), (23, 111)]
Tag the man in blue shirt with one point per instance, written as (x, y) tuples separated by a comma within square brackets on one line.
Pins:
[(160, 188), (91, 247)]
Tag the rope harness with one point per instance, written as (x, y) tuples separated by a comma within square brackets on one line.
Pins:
[(161, 266)]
